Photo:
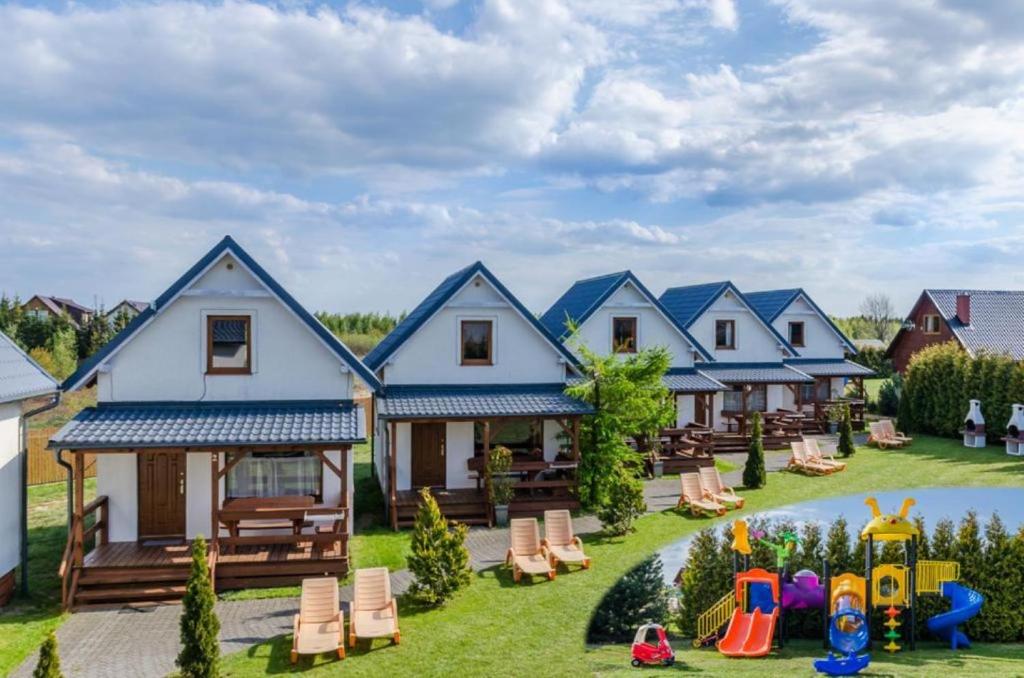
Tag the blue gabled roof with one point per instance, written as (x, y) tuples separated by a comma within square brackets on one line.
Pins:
[(20, 376), (491, 400), (771, 303), (585, 297), (228, 244), (437, 299), (690, 302)]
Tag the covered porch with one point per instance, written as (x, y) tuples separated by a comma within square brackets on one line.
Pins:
[(690, 443), (834, 381), (442, 437), (270, 486)]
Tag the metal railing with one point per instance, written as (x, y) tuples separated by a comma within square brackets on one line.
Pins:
[(932, 573), (714, 618)]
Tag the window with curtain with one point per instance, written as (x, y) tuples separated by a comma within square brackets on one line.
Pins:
[(276, 474), (522, 436), (757, 399)]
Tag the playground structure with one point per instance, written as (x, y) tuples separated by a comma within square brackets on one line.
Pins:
[(752, 614)]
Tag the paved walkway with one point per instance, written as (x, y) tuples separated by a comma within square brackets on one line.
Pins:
[(107, 643)]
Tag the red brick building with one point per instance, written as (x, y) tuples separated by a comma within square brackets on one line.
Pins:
[(989, 321)]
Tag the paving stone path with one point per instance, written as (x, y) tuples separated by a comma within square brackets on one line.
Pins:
[(142, 642)]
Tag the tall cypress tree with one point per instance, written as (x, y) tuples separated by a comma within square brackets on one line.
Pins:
[(49, 659), (439, 559), (846, 446), (754, 474), (837, 546), (702, 583), (971, 556), (1000, 583), (200, 651)]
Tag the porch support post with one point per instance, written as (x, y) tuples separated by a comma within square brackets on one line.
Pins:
[(710, 399), (392, 471), (344, 501), (743, 407), (79, 549), (487, 476), (215, 501), (576, 438)]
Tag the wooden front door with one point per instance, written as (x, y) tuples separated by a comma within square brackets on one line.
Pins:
[(161, 494), (700, 410), (428, 455)]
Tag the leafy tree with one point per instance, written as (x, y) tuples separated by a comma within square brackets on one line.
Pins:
[(846, 445), (45, 359), (34, 332), (200, 651), (63, 352), (754, 473), (439, 560), (638, 598), (878, 310), (11, 315), (48, 665), (94, 335), (837, 546), (625, 504), (705, 579), (121, 320), (630, 401)]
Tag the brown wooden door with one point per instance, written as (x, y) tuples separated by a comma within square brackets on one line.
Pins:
[(700, 410), (428, 455), (161, 494)]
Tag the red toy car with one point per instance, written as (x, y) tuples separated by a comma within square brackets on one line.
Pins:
[(645, 652)]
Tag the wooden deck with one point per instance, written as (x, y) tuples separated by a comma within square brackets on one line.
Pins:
[(123, 572), (465, 506)]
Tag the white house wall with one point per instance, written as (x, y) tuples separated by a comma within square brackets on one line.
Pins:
[(754, 342), (167, 359), (458, 450), (685, 409), (10, 486), (820, 340), (431, 355), (653, 329), (117, 479)]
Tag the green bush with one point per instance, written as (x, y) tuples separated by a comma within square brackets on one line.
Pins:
[(49, 659), (754, 472), (625, 504), (439, 560), (200, 650), (942, 379), (874, 358), (889, 396), (846, 444), (638, 598), (706, 577), (501, 486)]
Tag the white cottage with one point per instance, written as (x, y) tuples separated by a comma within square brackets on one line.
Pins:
[(21, 380), (823, 347), (468, 369), (225, 409), (748, 352), (616, 313)]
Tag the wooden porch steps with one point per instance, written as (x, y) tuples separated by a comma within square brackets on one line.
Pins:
[(129, 593)]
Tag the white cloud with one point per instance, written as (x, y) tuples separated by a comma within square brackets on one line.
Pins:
[(723, 14)]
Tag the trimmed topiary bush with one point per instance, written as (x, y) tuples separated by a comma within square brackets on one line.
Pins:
[(625, 504), (846, 446), (439, 560), (49, 659), (754, 473), (200, 650)]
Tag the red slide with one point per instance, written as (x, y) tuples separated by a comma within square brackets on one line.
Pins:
[(749, 634)]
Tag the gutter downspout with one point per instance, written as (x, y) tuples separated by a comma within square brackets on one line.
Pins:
[(24, 486)]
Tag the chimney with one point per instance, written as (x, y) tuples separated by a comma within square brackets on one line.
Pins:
[(963, 308)]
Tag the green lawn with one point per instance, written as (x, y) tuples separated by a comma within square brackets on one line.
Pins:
[(25, 623), (496, 628)]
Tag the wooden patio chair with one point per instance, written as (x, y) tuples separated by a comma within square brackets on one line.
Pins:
[(320, 625), (711, 481), (527, 554), (892, 434), (562, 544), (800, 462), (695, 498), (813, 453), (880, 439), (374, 612)]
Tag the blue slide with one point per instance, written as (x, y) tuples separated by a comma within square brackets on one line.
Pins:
[(965, 604), (848, 633)]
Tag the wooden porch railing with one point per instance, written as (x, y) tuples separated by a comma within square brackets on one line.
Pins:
[(822, 408), (74, 550), (326, 533)]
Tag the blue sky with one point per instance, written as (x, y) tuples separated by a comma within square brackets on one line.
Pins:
[(364, 150)]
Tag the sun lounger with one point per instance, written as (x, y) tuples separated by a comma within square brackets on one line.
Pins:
[(880, 438), (562, 544), (711, 481), (800, 462), (892, 434), (374, 613), (813, 453), (526, 553), (319, 626), (692, 496)]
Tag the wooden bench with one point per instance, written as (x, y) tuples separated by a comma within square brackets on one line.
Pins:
[(240, 506)]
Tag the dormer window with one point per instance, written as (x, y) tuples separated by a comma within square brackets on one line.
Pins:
[(228, 344), (931, 324), (725, 334), (624, 335), (477, 342), (796, 333)]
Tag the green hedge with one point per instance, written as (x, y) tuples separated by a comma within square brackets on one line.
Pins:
[(940, 381)]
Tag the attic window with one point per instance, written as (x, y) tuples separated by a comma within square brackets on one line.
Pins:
[(796, 333), (477, 342), (725, 334), (931, 324), (624, 339), (228, 343)]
